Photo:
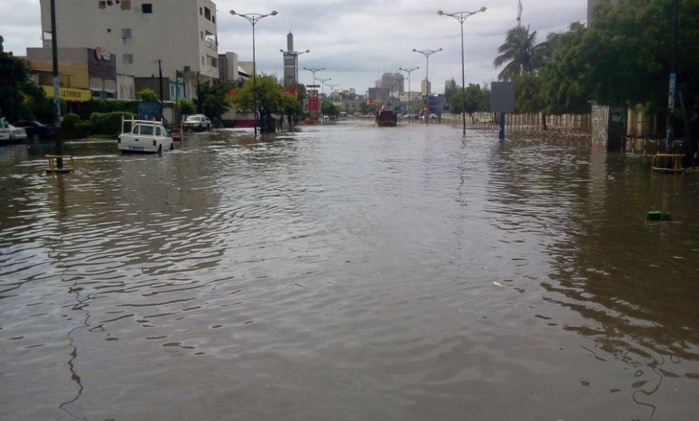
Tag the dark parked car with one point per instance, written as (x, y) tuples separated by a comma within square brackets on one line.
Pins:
[(36, 130)]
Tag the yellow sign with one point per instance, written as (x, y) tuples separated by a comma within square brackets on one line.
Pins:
[(69, 94)]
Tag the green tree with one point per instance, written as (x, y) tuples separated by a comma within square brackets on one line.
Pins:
[(267, 94), (519, 54), (292, 107), (213, 100), (20, 98), (475, 100), (624, 58), (147, 95), (528, 93), (560, 86), (186, 106), (328, 108), (630, 65)]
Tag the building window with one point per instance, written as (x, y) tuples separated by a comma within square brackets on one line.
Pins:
[(125, 4), (147, 8), (102, 4), (211, 40), (207, 13), (201, 12), (127, 59), (125, 33), (213, 19)]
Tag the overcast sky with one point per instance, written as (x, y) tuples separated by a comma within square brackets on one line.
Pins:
[(356, 41)]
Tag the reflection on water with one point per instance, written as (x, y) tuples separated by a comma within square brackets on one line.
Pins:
[(347, 272)]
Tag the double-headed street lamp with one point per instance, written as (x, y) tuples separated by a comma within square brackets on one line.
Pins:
[(461, 17), (332, 87), (253, 18), (322, 81), (427, 54), (409, 71), (314, 71)]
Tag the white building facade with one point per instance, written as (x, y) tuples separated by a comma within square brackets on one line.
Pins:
[(146, 36)]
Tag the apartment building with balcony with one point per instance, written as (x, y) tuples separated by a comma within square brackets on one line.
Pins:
[(146, 37)]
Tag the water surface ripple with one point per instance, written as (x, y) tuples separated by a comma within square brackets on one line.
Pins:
[(348, 272)]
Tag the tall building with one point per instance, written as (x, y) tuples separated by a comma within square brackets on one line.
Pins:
[(229, 69), (393, 82), (291, 63), (425, 87), (145, 36)]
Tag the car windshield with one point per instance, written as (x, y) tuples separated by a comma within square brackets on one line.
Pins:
[(193, 118)]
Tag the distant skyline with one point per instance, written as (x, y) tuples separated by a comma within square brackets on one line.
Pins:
[(355, 40)]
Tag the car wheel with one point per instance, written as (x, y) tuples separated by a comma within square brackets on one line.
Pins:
[(160, 149), (172, 146)]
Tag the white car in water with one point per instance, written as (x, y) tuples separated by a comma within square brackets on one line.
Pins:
[(197, 122), (144, 136), (10, 133)]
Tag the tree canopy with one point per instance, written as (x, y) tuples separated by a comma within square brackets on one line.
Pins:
[(475, 99), (623, 58), (20, 98), (519, 54)]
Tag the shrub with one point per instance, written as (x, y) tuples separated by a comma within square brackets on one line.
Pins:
[(108, 124), (68, 126)]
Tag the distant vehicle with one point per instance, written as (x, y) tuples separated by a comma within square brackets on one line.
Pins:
[(198, 122), (11, 134), (37, 130), (433, 116), (386, 118), (144, 136)]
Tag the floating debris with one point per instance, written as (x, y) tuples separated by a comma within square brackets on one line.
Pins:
[(657, 216)]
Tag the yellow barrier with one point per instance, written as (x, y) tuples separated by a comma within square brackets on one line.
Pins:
[(67, 166), (676, 166)]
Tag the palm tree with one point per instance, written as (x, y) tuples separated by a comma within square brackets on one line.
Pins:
[(520, 52)]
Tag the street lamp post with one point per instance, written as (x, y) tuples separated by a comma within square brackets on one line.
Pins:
[(253, 18), (461, 17), (410, 104), (314, 71), (332, 88), (427, 54), (322, 88)]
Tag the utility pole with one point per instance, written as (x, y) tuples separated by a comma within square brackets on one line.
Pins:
[(160, 82), (56, 87), (670, 140)]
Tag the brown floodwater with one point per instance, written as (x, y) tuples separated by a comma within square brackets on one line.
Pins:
[(348, 272)]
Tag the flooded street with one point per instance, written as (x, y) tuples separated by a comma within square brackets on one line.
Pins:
[(347, 272)]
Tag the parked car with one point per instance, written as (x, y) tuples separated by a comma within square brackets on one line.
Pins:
[(37, 130), (198, 122), (10, 133)]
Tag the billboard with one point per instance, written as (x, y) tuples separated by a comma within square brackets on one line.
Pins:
[(502, 97), (313, 101)]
